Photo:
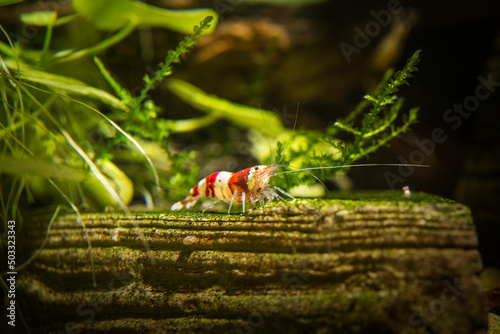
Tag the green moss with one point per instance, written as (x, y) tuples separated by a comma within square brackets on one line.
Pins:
[(390, 198), (336, 201)]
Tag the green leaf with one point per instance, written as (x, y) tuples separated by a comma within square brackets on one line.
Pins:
[(389, 100), (346, 127), (377, 124), (238, 114), (173, 56), (41, 167), (370, 98), (59, 83), (70, 55), (192, 124), (65, 19), (112, 15), (122, 93), (42, 18), (108, 189), (99, 194), (9, 2)]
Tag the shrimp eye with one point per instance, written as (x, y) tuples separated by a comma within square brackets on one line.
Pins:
[(256, 168)]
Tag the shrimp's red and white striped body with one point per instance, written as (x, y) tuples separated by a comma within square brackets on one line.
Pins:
[(250, 185), (247, 185)]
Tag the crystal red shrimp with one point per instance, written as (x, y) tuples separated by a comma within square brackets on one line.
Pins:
[(247, 185)]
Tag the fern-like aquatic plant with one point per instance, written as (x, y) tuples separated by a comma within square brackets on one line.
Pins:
[(142, 119), (53, 109), (372, 124), (377, 126)]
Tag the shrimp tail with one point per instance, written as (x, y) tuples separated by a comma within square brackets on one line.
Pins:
[(177, 206), (185, 203), (192, 198)]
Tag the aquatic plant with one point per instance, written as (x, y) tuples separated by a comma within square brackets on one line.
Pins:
[(372, 124), (66, 142)]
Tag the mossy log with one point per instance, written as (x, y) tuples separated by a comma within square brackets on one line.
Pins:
[(370, 264)]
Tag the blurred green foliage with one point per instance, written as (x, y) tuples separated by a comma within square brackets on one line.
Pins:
[(64, 140), (373, 123)]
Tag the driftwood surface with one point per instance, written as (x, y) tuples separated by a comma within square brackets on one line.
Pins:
[(371, 264)]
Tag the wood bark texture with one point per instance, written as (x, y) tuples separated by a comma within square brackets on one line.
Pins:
[(368, 265)]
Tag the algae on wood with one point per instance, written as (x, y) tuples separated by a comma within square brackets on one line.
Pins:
[(374, 263)]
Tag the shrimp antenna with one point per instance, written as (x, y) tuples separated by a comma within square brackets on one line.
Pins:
[(268, 136), (349, 166), (290, 170), (293, 132)]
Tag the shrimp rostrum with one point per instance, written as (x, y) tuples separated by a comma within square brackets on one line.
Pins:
[(248, 185)]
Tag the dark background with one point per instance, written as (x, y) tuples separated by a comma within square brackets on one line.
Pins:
[(460, 41), (274, 56)]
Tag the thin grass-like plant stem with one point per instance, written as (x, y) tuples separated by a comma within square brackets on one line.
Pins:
[(95, 170), (119, 36), (38, 251), (46, 41), (84, 228)]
